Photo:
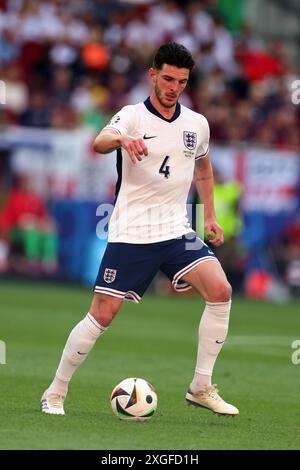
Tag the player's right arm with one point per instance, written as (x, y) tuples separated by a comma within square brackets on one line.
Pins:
[(110, 139), (117, 134)]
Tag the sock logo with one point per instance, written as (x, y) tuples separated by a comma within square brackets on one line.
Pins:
[(219, 342), (81, 354)]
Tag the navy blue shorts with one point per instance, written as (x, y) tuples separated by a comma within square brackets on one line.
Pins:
[(127, 269)]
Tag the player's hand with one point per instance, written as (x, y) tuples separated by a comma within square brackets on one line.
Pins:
[(135, 148), (214, 232)]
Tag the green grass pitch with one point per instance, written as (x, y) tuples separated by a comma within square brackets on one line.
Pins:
[(156, 340)]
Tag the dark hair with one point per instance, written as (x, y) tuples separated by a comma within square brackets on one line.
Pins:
[(173, 54)]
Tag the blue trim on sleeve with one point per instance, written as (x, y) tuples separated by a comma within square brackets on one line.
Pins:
[(119, 171)]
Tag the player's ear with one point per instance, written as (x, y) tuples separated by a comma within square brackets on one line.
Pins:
[(152, 73)]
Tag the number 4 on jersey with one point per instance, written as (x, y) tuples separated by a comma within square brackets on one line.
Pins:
[(165, 169)]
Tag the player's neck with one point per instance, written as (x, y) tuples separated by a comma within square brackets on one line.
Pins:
[(165, 112)]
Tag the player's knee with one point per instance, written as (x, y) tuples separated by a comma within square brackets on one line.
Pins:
[(104, 308), (225, 292), (221, 293)]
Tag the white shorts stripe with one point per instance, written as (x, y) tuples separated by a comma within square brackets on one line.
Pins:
[(131, 298), (187, 269), (191, 265), (133, 294), (109, 289), (130, 295), (182, 287), (113, 294)]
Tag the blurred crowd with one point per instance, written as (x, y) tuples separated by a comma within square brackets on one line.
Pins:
[(67, 64), (28, 235)]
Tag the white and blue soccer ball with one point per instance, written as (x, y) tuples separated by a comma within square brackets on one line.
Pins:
[(134, 399)]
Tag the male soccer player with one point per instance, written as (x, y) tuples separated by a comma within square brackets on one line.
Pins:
[(160, 146)]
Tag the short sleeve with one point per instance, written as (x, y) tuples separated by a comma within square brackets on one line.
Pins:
[(203, 147), (123, 121)]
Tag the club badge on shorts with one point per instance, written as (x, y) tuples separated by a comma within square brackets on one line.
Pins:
[(109, 275), (190, 139)]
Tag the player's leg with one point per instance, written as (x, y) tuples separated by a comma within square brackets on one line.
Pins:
[(209, 279), (79, 343), (117, 280), (192, 263)]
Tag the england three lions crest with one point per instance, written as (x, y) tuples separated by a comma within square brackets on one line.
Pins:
[(190, 140), (109, 275)]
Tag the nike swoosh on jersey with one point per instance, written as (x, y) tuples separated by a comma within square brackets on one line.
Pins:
[(145, 136)]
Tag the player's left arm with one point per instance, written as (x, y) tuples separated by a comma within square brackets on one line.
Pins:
[(204, 182)]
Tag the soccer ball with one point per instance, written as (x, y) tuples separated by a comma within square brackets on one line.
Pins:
[(134, 399)]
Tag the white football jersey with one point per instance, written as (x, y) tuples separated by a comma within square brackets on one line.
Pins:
[(151, 194)]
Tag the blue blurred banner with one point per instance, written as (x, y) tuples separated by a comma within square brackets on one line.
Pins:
[(80, 251)]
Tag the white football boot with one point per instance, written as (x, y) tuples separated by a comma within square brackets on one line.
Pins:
[(53, 403), (210, 399)]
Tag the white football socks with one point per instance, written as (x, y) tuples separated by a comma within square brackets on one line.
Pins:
[(213, 329), (81, 340)]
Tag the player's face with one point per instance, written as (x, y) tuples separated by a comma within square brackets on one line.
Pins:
[(169, 83)]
